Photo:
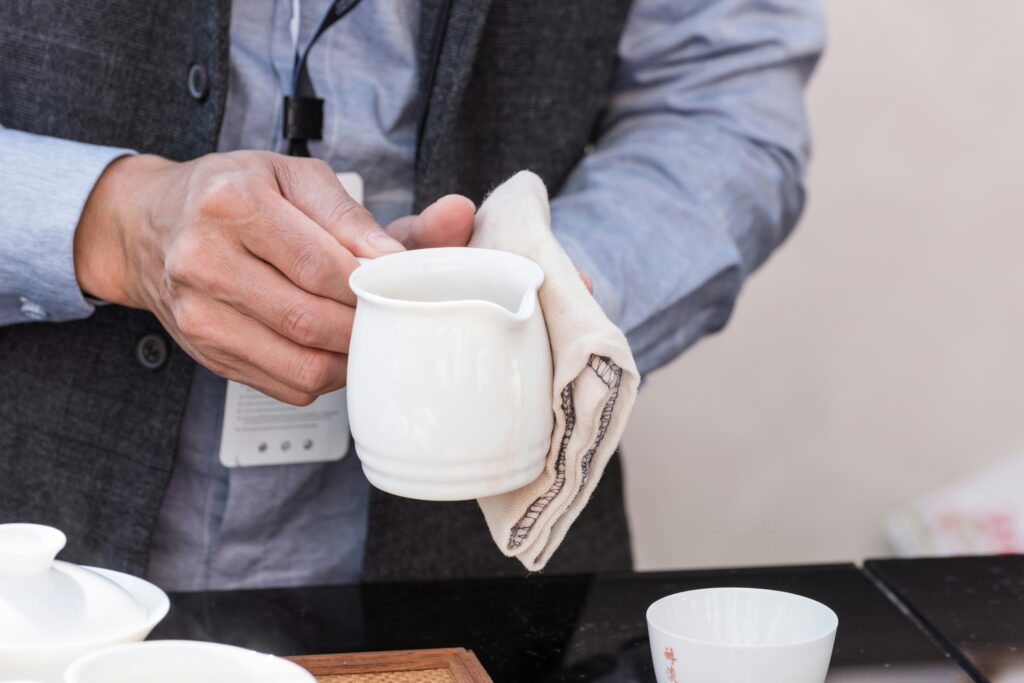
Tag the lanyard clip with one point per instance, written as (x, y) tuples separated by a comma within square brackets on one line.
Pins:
[(303, 118)]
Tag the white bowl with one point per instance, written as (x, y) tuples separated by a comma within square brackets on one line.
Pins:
[(740, 635), (181, 661)]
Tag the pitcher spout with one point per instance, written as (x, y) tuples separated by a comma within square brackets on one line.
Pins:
[(529, 301)]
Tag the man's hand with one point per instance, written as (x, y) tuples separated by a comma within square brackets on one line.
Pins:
[(245, 258)]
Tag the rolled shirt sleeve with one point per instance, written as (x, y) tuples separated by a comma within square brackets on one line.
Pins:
[(697, 172), (44, 184)]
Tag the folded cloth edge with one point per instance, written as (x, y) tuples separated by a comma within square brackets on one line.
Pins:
[(531, 523)]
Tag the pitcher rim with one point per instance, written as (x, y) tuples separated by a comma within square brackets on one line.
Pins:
[(526, 303)]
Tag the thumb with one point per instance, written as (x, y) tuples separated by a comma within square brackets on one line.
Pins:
[(448, 222)]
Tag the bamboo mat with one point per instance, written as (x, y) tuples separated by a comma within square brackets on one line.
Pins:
[(427, 676), (452, 665)]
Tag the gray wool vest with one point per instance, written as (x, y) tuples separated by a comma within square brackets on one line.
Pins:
[(88, 430)]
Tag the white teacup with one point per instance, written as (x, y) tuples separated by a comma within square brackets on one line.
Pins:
[(740, 635), (177, 661), (449, 375)]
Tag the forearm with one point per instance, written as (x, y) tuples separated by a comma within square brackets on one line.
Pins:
[(697, 174), (668, 240), (44, 185)]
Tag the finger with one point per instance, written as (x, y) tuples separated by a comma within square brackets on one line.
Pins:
[(292, 312), (448, 222), (252, 376), (312, 187), (301, 250), (229, 367), (304, 370)]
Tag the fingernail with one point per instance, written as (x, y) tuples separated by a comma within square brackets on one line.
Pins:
[(379, 239)]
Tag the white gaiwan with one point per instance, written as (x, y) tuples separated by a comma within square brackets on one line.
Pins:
[(51, 612)]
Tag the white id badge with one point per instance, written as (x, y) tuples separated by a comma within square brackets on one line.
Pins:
[(259, 430), (353, 184)]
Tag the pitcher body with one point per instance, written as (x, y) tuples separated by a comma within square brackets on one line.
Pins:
[(450, 377)]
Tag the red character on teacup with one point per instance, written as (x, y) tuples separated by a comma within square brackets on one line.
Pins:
[(671, 670)]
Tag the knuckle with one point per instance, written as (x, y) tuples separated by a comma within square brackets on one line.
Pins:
[(319, 166), (299, 322), (294, 169), (341, 208), (312, 272), (314, 373), (181, 261), (192, 320), (302, 399), (185, 264), (338, 206), (219, 195), (226, 194)]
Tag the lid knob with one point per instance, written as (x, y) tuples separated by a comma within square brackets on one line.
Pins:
[(27, 549)]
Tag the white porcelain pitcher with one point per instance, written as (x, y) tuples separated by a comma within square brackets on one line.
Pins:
[(449, 376)]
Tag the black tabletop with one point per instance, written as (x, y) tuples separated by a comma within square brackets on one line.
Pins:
[(974, 605), (546, 629)]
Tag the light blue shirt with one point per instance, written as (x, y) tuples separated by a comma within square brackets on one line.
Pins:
[(695, 177)]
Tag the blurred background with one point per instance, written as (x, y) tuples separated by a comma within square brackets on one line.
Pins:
[(877, 357)]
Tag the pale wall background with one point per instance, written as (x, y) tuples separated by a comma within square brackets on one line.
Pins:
[(880, 353)]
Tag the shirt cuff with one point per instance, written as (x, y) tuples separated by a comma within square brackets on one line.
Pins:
[(45, 184)]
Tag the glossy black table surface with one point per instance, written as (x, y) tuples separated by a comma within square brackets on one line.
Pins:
[(973, 606), (546, 629)]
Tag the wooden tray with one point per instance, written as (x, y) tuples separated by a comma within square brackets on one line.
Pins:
[(454, 665)]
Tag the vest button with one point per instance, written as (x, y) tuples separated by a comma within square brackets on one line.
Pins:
[(198, 82), (151, 352)]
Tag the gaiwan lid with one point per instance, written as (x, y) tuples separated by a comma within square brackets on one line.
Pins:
[(47, 603)]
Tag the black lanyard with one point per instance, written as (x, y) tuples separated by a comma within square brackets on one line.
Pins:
[(303, 110)]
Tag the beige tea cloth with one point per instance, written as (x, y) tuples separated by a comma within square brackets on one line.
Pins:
[(595, 379)]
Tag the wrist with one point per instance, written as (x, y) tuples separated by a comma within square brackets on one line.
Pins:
[(102, 244)]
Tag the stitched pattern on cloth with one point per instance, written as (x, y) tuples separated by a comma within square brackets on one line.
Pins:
[(522, 528), (610, 375)]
